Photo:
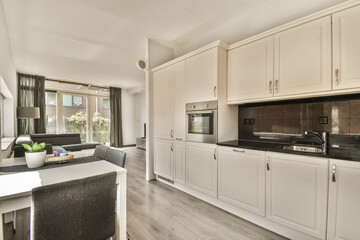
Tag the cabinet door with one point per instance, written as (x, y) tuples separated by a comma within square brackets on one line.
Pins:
[(346, 38), (296, 192), (163, 154), (179, 161), (242, 178), (201, 167), (163, 103), (201, 76), (303, 58), (250, 71), (344, 199), (179, 101)]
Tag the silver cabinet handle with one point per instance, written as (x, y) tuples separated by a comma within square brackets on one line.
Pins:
[(268, 163), (172, 133), (172, 147), (214, 91), (179, 139), (215, 154), (270, 86), (337, 81), (334, 173), (239, 151), (276, 86)]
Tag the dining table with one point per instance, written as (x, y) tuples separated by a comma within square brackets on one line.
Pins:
[(16, 186)]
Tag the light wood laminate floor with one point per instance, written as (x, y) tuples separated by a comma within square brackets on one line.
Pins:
[(157, 211)]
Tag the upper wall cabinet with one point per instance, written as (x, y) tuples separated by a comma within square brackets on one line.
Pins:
[(346, 39), (201, 76), (164, 103), (250, 70), (303, 58)]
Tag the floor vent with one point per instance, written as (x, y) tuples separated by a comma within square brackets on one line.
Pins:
[(166, 179)]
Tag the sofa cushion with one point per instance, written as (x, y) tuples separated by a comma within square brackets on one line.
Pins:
[(116, 157), (80, 146), (100, 151), (24, 139), (57, 139)]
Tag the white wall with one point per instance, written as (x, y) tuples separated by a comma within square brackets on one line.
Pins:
[(140, 117), (8, 73), (128, 117)]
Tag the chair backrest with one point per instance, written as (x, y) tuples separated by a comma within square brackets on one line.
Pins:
[(116, 157), (82, 209), (100, 151)]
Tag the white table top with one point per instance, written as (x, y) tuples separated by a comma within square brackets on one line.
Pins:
[(12, 185)]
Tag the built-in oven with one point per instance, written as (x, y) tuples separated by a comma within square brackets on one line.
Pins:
[(201, 122)]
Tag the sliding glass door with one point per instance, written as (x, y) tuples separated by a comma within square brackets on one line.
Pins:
[(51, 109), (100, 119), (74, 115), (88, 115)]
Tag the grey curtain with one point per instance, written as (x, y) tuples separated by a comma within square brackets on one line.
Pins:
[(115, 117), (31, 93)]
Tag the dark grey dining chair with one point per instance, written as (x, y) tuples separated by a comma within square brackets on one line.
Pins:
[(82, 209), (113, 155), (116, 157)]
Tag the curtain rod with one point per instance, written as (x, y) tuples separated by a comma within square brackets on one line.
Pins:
[(83, 84)]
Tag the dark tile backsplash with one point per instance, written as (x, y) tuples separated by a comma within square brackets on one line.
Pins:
[(340, 116)]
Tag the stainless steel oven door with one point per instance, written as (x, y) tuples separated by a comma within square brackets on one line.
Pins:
[(201, 126)]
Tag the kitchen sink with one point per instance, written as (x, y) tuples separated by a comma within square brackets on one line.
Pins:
[(303, 148)]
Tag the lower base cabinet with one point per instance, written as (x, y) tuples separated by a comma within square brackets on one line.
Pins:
[(170, 159), (241, 175), (164, 158), (296, 192), (344, 200), (179, 162), (201, 167)]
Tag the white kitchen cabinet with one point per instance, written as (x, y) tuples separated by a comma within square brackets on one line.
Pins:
[(179, 101), (344, 199), (346, 49), (179, 162), (164, 158), (242, 178), (303, 58), (296, 192), (201, 167), (164, 103), (201, 76), (250, 71)]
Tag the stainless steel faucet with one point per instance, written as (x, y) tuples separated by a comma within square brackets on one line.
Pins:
[(322, 137)]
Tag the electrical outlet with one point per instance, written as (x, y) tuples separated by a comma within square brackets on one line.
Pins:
[(323, 120), (249, 121)]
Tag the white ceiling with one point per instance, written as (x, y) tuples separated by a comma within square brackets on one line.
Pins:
[(100, 41)]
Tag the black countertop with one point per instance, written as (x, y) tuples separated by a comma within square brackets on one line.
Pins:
[(333, 152)]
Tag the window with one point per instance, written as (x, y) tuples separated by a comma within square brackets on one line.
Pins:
[(51, 120), (78, 108), (72, 101), (74, 115), (50, 98), (100, 112), (106, 104)]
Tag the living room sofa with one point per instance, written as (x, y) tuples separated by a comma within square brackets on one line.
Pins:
[(66, 142)]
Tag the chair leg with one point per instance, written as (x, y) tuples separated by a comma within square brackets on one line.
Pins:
[(14, 221)]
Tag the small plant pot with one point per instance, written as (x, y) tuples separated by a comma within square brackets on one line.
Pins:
[(35, 159)]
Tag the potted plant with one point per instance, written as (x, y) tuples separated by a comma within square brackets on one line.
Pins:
[(36, 156)]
